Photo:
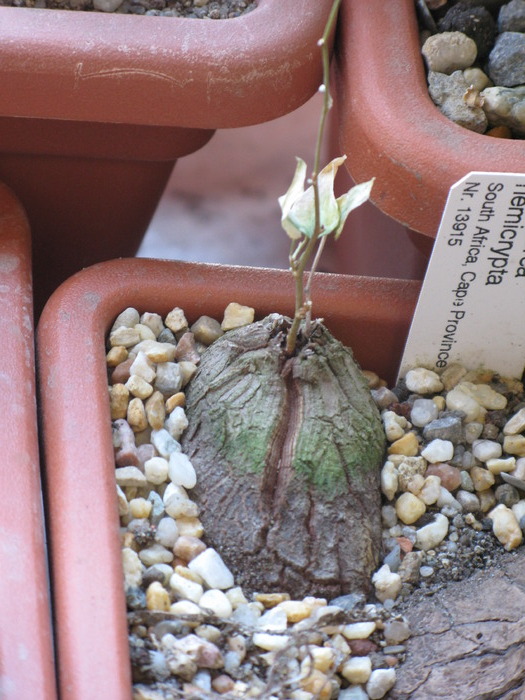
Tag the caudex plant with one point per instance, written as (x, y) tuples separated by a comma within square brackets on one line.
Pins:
[(283, 432)]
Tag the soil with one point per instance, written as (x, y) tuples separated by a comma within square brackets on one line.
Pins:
[(196, 9)]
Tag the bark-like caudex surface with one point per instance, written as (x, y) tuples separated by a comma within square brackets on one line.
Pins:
[(287, 452)]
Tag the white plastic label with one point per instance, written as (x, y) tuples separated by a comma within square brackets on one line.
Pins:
[(471, 308)]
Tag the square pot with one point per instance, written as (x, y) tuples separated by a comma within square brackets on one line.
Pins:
[(26, 648), (389, 126), (95, 114), (370, 314)]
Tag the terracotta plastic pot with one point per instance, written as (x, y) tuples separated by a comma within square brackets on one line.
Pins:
[(389, 126), (95, 109), (372, 315), (26, 650)]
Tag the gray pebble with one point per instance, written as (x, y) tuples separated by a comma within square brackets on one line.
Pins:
[(506, 64), (393, 559), (507, 494), (511, 17), (447, 427), (447, 92)]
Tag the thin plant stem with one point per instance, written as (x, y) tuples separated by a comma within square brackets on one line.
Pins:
[(298, 264)]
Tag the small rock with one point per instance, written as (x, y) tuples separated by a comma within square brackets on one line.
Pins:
[(359, 630), (212, 569), (156, 470), (389, 480), (237, 315), (476, 22), (448, 93), (458, 400), (447, 52), (506, 64), (156, 554), (130, 476), (164, 443), (511, 17), (486, 449), (380, 682), (438, 451), (507, 495), (423, 412), (217, 602), (167, 532), (469, 501), (206, 330), (357, 670), (506, 527), (496, 466), (431, 490), (169, 379), (157, 597), (450, 477), (176, 320), (481, 478), (444, 428), (394, 425), (514, 445), (270, 642), (386, 583), (181, 471), (409, 508), (429, 536), (423, 381)]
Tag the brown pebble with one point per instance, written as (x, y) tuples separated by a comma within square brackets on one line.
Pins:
[(270, 600), (188, 547), (405, 544), (120, 374), (391, 661), (449, 475), (222, 684), (362, 647), (186, 351), (116, 355), (118, 401), (178, 399), (499, 132)]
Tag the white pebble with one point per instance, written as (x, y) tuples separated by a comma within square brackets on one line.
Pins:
[(457, 400), (423, 411), (423, 381), (270, 642), (156, 470), (386, 583), (357, 669), (359, 630), (496, 466), (394, 425), (273, 620), (389, 480), (181, 471), (486, 449), (155, 554), (438, 451), (516, 424), (130, 476), (164, 443), (429, 536), (143, 367), (506, 527), (409, 508), (185, 588), (167, 532), (133, 568), (176, 423), (217, 602), (430, 490), (380, 682), (211, 568)]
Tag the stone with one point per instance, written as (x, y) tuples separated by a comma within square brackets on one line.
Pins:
[(449, 93), (380, 682), (210, 566), (506, 63), (383, 397), (118, 401), (188, 547), (126, 337), (514, 445), (479, 80), (203, 653), (450, 477), (237, 315), (181, 471), (126, 454), (438, 451), (389, 480), (155, 554), (156, 350), (187, 349), (178, 399), (186, 589), (481, 478), (515, 424), (164, 443), (505, 527), (169, 379), (507, 495), (176, 423), (498, 465), (396, 631), (152, 321), (511, 17), (423, 381), (469, 501), (167, 532), (430, 490), (448, 52), (139, 508), (190, 526), (157, 597), (458, 400), (296, 610), (415, 484), (423, 412), (156, 470), (217, 602), (473, 431), (130, 476), (357, 670), (387, 584), (116, 355), (270, 642), (407, 467), (316, 684), (177, 504), (133, 568), (409, 508), (206, 330), (120, 374), (429, 536), (487, 500), (136, 415), (353, 692), (155, 410), (445, 428), (359, 630), (486, 449), (407, 445), (394, 425), (176, 320)]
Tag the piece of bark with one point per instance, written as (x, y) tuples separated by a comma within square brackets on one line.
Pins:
[(468, 640), (287, 453)]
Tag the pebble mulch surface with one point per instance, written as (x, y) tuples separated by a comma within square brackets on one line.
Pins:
[(453, 486), (474, 51), (196, 9)]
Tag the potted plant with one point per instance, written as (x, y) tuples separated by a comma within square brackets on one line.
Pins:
[(97, 108), (26, 651), (390, 128), (372, 315)]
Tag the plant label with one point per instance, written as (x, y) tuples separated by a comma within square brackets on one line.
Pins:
[(471, 309)]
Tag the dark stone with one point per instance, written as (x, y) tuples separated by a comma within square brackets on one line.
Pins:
[(475, 22)]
